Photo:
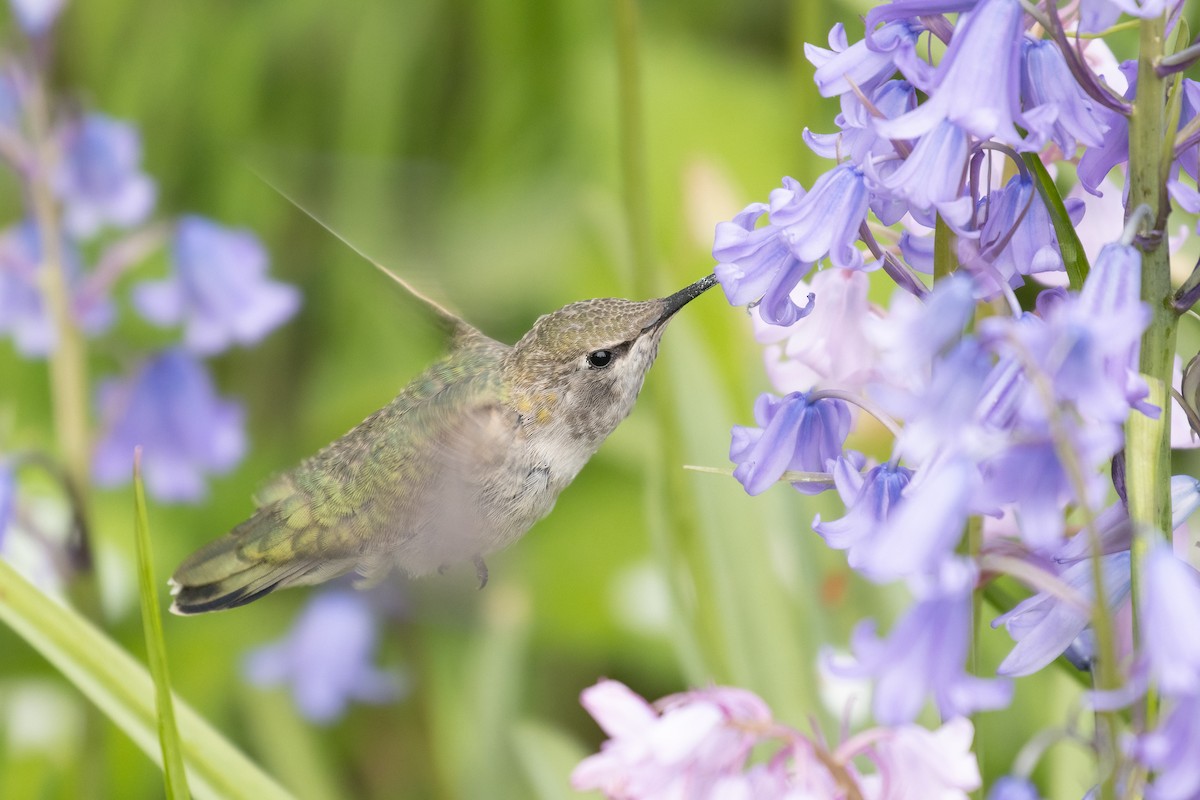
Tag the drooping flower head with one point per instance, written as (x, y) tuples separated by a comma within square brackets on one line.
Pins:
[(100, 181)]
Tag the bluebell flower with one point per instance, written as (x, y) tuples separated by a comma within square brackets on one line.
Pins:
[(36, 16), (985, 52), (869, 499), (863, 65), (1098, 161), (1170, 595), (8, 496), (23, 313), (1097, 15), (326, 658), (100, 180), (931, 178), (794, 433), (917, 251), (825, 221), (1056, 107), (219, 289), (1044, 625), (170, 407), (926, 654), (1010, 787), (857, 139), (1170, 752)]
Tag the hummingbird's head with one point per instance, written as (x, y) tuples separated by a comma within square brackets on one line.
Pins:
[(585, 363)]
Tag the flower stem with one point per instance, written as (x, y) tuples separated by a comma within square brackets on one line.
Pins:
[(68, 362), (1147, 441)]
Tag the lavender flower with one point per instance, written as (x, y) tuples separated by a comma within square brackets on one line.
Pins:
[(1098, 161), (794, 433), (8, 496), (825, 221), (1170, 752), (869, 500), (326, 658), (219, 291), (1011, 787), (931, 178), (36, 16), (857, 139), (1056, 107), (926, 654), (916, 762), (170, 407), (23, 313), (1044, 625), (1170, 591), (863, 65), (100, 180)]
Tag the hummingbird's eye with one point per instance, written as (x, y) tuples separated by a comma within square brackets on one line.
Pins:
[(599, 359)]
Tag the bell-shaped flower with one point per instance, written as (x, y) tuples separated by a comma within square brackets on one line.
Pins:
[(857, 139), (100, 179), (1056, 107), (930, 179), (1170, 595), (985, 52), (916, 762), (869, 499), (1045, 624), (825, 221), (219, 290), (926, 654), (1170, 750), (23, 312), (1099, 160), (844, 67), (170, 408), (794, 433), (326, 658), (1010, 787)]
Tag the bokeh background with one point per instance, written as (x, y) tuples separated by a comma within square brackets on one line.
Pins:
[(472, 145)]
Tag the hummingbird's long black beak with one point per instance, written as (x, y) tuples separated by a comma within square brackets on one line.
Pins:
[(684, 296)]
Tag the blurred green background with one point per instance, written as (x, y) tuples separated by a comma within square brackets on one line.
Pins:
[(473, 146)]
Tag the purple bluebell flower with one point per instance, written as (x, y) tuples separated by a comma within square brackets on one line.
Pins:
[(1170, 595), (1044, 625), (1056, 107), (917, 251), (868, 499), (926, 653), (863, 65), (170, 407), (23, 313), (985, 51), (794, 433), (1096, 15), (1098, 161), (36, 16), (1010, 787), (904, 9), (8, 496), (100, 179), (219, 290), (857, 139), (825, 221), (326, 658), (1170, 752), (915, 331), (931, 178)]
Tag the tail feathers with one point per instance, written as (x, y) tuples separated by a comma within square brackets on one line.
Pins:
[(236, 570)]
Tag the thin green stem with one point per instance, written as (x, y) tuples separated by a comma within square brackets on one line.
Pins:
[(1147, 441)]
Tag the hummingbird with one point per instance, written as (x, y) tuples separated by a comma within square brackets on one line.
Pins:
[(462, 463)]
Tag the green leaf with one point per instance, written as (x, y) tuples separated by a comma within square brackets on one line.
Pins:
[(945, 256), (123, 690), (548, 755), (174, 775), (1069, 245)]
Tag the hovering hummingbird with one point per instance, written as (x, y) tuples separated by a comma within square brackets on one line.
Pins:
[(459, 465)]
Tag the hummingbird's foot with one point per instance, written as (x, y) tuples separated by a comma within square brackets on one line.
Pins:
[(481, 571)]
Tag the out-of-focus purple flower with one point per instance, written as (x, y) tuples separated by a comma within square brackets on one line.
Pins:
[(219, 291), (754, 263), (931, 178), (1096, 15), (1011, 787), (863, 65), (869, 499), (985, 52), (36, 16), (1056, 107), (926, 654), (1170, 595), (916, 762), (170, 407), (1170, 752), (1044, 625), (23, 313), (915, 331), (830, 345), (794, 433), (699, 738), (326, 658), (1115, 529), (100, 179), (825, 221)]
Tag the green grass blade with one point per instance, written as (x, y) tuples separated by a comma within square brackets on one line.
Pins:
[(124, 691), (1074, 259), (174, 775)]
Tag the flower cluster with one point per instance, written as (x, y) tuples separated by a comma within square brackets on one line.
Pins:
[(698, 745), (1006, 379), (88, 223)]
